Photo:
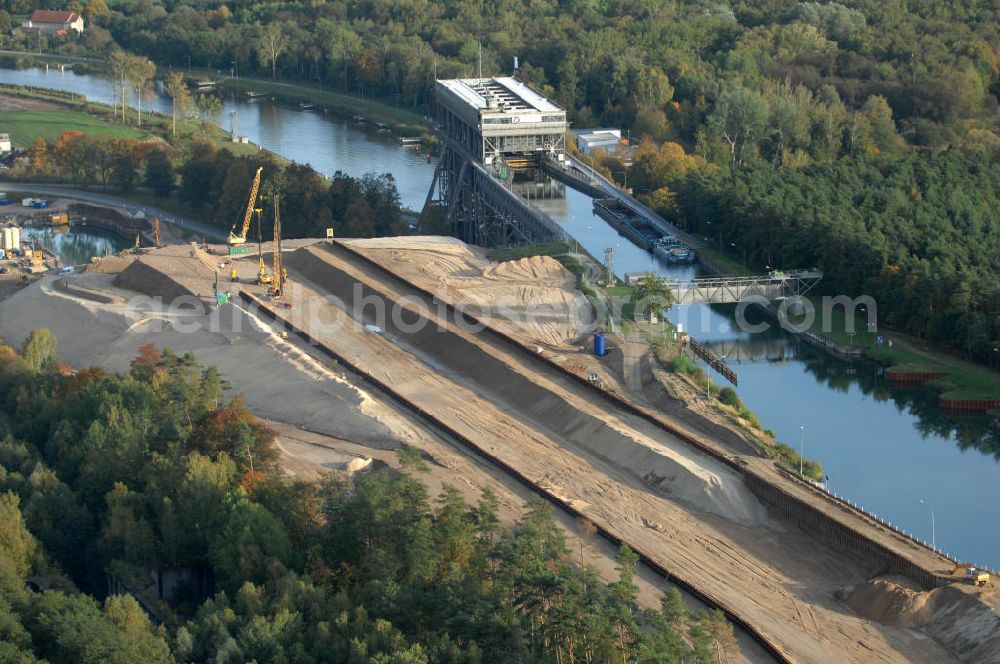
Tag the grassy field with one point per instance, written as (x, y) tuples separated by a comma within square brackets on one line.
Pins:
[(525, 251), (400, 120), (962, 379), (25, 126)]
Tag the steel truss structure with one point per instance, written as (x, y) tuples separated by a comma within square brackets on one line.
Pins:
[(487, 129)]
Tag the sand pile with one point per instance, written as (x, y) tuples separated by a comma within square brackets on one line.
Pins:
[(111, 264), (959, 617), (176, 274), (893, 600), (537, 269), (533, 298)]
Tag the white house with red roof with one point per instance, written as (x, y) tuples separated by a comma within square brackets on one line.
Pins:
[(54, 23)]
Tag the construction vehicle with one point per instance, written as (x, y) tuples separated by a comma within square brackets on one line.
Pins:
[(977, 576), (241, 237), (263, 278)]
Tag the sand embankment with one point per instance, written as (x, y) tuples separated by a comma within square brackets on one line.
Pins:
[(533, 298)]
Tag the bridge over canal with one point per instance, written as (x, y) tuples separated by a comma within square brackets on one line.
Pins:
[(732, 290)]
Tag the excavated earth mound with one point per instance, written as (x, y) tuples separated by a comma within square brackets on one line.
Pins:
[(533, 298), (177, 275), (961, 618)]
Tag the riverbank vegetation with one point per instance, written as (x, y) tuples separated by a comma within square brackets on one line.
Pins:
[(726, 402), (958, 379), (123, 480)]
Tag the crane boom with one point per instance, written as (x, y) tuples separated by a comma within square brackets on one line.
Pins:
[(242, 237)]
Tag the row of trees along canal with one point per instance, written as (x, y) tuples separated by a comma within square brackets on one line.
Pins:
[(211, 184)]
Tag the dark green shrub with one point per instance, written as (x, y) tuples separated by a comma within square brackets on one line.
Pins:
[(727, 395)]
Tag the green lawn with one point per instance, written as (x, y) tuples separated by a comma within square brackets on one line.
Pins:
[(542, 249), (401, 120), (962, 379), (25, 126)]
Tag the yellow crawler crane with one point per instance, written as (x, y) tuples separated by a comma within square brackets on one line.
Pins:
[(241, 238)]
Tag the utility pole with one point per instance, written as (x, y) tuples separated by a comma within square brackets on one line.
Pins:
[(802, 447), (933, 527)]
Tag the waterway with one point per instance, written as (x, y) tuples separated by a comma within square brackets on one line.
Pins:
[(892, 451)]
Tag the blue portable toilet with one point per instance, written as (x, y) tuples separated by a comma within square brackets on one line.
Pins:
[(600, 346)]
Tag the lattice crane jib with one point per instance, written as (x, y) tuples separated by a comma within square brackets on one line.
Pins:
[(241, 237)]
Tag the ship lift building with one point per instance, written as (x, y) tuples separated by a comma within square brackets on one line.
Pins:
[(490, 128)]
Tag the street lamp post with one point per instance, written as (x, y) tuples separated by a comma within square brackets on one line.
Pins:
[(802, 447), (624, 175), (933, 527)]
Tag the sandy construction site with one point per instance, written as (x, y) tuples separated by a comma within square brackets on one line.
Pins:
[(684, 509)]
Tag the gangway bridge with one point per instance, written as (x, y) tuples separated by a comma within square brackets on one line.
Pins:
[(752, 349), (731, 290)]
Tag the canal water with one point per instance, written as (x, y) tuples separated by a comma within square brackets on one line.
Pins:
[(892, 451)]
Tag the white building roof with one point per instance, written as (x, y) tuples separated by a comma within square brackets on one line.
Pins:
[(517, 95)]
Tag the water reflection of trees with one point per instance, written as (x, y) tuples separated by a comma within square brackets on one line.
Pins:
[(970, 431), (76, 246)]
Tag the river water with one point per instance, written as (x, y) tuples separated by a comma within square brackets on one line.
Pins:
[(892, 451)]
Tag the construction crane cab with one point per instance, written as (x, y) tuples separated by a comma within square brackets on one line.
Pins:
[(241, 237), (263, 278)]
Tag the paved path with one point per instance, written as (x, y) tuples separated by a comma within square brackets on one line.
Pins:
[(97, 196)]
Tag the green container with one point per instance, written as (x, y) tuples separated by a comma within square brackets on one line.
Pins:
[(239, 250)]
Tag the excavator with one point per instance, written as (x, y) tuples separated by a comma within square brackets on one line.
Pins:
[(976, 577), (241, 238)]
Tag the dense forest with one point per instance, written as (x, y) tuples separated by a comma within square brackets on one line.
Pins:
[(660, 67), (840, 109), (125, 479), (898, 230)]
